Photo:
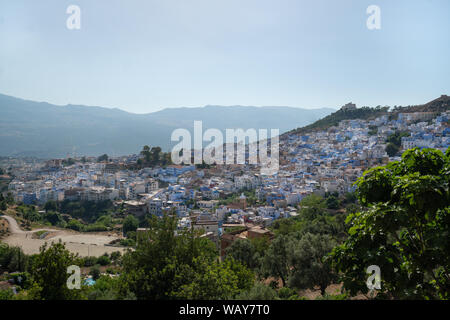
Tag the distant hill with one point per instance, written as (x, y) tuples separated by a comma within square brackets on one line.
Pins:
[(366, 113), (40, 129)]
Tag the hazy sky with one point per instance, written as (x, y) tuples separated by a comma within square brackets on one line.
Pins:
[(146, 55)]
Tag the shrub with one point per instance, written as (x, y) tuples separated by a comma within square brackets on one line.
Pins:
[(103, 260)]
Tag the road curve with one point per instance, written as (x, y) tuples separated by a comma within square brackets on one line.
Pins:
[(82, 244), (15, 229), (13, 226)]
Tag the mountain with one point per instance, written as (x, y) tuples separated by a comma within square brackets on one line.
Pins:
[(40, 129)]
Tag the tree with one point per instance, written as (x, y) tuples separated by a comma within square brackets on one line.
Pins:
[(105, 288), (307, 260), (52, 217), (130, 223), (49, 273), (102, 158), (392, 149), (115, 256), (95, 272), (275, 261), (244, 251), (332, 202), (404, 229), (258, 292), (104, 260), (51, 206), (164, 261), (12, 259), (312, 206), (217, 280)]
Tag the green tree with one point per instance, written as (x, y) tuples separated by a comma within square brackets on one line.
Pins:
[(258, 292), (104, 260), (405, 229), (13, 259), (312, 206), (95, 272), (392, 149), (103, 157), (243, 251), (130, 223), (6, 294), (49, 273), (332, 202), (275, 262), (309, 268), (217, 280), (105, 288), (165, 261)]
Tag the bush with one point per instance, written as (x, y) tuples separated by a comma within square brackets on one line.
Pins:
[(104, 260), (130, 223), (96, 227), (6, 294), (110, 270), (89, 261), (53, 217), (115, 255), (286, 293), (12, 258), (258, 292), (127, 242), (75, 225), (95, 272)]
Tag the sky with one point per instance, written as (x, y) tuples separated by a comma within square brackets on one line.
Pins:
[(143, 56)]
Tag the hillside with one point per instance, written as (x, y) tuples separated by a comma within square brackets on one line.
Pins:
[(39, 129), (366, 113)]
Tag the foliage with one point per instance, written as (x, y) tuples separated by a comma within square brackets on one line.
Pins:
[(68, 162), (392, 149), (104, 260), (333, 119), (217, 280), (29, 212), (244, 251), (308, 267), (130, 223), (332, 202), (405, 229), (165, 266), (287, 293), (151, 157), (258, 292), (49, 273), (95, 272), (275, 262), (75, 225), (12, 259), (102, 158), (6, 294), (396, 137), (105, 288)]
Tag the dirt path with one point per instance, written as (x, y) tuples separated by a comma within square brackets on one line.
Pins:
[(81, 243)]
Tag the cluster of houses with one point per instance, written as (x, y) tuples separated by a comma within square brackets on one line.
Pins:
[(330, 160)]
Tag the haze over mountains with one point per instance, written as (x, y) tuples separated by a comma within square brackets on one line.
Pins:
[(39, 129)]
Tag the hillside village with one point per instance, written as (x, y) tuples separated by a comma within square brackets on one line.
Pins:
[(218, 198)]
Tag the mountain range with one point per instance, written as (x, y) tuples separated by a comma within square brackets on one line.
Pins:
[(40, 129)]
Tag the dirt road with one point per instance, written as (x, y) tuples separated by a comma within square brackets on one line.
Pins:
[(82, 243)]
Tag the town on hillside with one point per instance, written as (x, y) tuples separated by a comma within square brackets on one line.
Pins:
[(217, 197)]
